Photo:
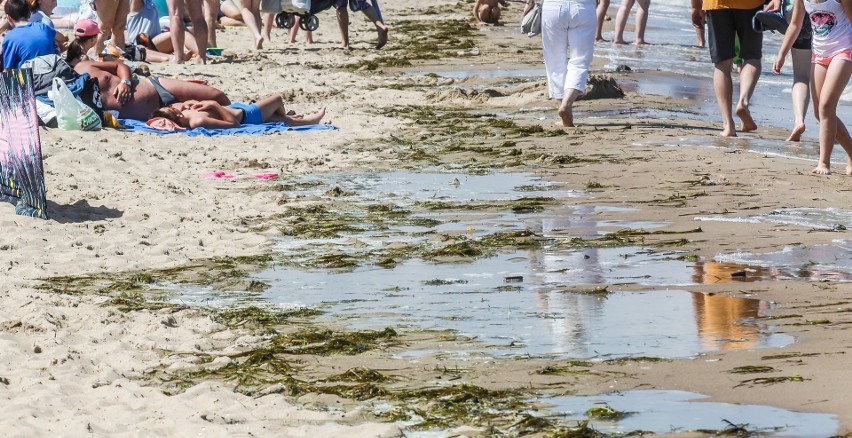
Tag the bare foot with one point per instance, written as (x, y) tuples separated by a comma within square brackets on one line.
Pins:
[(745, 115), (619, 42), (258, 43), (728, 131), (312, 119), (601, 39), (177, 59), (383, 37), (567, 116), (821, 170), (640, 42), (796, 133)]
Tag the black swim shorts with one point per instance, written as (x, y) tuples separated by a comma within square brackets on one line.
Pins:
[(803, 41), (166, 98), (724, 25)]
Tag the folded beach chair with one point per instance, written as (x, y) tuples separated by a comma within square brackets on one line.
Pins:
[(304, 9), (21, 169)]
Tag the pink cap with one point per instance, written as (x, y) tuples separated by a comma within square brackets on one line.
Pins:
[(86, 27)]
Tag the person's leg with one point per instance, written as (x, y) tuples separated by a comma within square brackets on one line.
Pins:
[(268, 20), (107, 12), (343, 23), (248, 14), (621, 21), (211, 13), (603, 6), (834, 80), (295, 29), (800, 91), (749, 73), (723, 85), (383, 30), (581, 37), (554, 38), (270, 106), (176, 28), (199, 27), (184, 90), (641, 20), (751, 51), (120, 24)]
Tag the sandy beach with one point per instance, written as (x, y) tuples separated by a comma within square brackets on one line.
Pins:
[(86, 351)]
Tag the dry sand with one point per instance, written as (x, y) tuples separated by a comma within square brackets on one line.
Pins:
[(125, 202)]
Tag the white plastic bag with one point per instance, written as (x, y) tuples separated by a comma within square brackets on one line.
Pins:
[(302, 5), (71, 114), (531, 24)]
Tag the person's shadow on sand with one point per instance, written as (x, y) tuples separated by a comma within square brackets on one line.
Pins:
[(80, 211)]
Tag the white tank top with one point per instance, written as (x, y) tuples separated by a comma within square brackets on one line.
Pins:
[(832, 30)]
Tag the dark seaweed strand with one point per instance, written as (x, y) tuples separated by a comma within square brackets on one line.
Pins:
[(22, 178)]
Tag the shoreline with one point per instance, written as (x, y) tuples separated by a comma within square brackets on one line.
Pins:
[(147, 208)]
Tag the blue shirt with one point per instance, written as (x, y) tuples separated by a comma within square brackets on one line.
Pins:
[(26, 42)]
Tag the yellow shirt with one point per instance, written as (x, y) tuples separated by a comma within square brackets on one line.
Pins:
[(709, 5)]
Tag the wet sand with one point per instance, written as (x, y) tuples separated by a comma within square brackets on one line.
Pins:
[(127, 202)]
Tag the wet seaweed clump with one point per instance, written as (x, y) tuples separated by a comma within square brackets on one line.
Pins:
[(328, 342), (442, 282), (260, 317), (581, 430), (771, 380), (606, 412), (449, 406), (359, 374), (753, 369), (571, 367)]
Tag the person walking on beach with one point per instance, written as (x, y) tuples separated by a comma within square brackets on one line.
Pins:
[(199, 27), (603, 6), (641, 20), (366, 7), (832, 67), (728, 20), (801, 55), (567, 24)]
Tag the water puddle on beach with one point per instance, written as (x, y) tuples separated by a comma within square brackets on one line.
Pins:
[(807, 150), (541, 301), (663, 412)]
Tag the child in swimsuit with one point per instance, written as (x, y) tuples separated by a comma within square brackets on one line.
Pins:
[(210, 114), (832, 67)]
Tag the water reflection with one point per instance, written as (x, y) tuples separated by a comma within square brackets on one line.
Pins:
[(727, 323), (714, 272), (815, 262), (665, 412)]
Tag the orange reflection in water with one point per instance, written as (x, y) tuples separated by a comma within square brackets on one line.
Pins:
[(715, 272), (720, 318)]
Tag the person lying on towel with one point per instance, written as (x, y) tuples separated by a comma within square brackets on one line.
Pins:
[(211, 114), (138, 97)]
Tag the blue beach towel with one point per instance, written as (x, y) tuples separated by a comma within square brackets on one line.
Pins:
[(135, 125)]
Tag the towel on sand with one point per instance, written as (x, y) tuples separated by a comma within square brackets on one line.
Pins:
[(135, 125)]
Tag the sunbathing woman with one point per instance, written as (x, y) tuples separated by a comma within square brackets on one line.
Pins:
[(211, 114)]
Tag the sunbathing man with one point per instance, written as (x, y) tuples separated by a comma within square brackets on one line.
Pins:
[(138, 98), (488, 11), (210, 114)]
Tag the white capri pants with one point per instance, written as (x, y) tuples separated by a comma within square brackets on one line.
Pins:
[(564, 24)]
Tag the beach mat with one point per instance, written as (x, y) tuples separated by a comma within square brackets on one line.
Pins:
[(135, 125), (21, 169)]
